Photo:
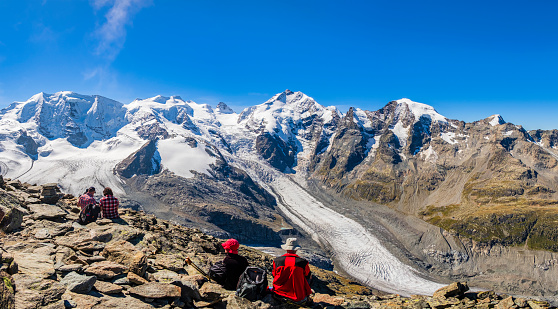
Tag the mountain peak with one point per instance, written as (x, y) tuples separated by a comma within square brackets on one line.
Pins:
[(419, 110), (495, 120), (223, 108)]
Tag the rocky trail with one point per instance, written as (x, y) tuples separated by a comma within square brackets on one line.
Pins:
[(50, 261)]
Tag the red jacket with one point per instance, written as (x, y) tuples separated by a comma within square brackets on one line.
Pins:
[(290, 277)]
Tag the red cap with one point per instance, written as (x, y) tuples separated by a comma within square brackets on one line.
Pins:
[(231, 245)]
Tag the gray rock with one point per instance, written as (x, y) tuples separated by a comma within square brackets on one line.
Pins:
[(106, 269), (37, 265), (122, 281), (166, 276), (42, 234), (11, 218), (70, 268), (78, 283), (138, 264), (68, 303), (46, 211), (107, 287), (156, 290)]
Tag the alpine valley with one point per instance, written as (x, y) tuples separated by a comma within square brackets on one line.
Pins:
[(401, 199)]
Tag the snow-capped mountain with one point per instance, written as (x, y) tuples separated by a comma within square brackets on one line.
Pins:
[(273, 166)]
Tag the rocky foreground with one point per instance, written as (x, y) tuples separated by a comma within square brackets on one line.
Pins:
[(50, 261)]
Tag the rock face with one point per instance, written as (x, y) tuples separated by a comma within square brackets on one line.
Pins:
[(145, 161)]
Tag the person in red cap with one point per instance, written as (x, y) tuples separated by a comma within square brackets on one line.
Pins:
[(234, 264)]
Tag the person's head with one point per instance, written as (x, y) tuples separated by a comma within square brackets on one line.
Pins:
[(91, 190), (291, 245), (107, 191), (231, 246)]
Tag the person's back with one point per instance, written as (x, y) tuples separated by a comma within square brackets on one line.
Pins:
[(87, 198), (291, 274), (109, 205), (234, 264)]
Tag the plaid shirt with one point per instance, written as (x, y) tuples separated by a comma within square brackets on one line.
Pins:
[(85, 200), (109, 207)]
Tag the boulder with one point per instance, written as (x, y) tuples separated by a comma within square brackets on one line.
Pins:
[(138, 264), (7, 290), (133, 278), (452, 290), (190, 290), (327, 300), (37, 265), (47, 211), (506, 303), (78, 283), (119, 252), (171, 262), (107, 287), (166, 276), (45, 250), (537, 304), (42, 234), (213, 291), (70, 268), (11, 218), (235, 302), (106, 269), (156, 290)]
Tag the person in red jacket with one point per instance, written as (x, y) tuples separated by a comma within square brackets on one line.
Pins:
[(291, 274)]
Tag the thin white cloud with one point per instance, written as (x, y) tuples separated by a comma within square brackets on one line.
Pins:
[(112, 33)]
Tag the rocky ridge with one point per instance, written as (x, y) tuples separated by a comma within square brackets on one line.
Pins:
[(50, 261)]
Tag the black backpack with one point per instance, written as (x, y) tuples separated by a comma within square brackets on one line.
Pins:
[(217, 272), (252, 284), (89, 214)]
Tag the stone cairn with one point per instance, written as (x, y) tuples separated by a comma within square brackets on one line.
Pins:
[(50, 261), (50, 193)]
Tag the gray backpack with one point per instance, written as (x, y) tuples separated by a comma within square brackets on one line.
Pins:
[(252, 284)]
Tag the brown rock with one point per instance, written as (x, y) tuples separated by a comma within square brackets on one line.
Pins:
[(521, 302), (166, 276), (212, 291), (41, 266), (119, 252), (106, 269), (454, 289), (69, 268), (505, 303), (171, 262), (136, 279), (324, 300), (235, 302), (107, 287), (537, 304), (439, 303), (156, 290), (12, 218), (7, 291), (486, 294), (138, 264)]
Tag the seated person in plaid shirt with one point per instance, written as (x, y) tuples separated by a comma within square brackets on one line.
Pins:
[(87, 198), (109, 205)]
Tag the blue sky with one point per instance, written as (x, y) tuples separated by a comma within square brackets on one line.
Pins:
[(468, 59)]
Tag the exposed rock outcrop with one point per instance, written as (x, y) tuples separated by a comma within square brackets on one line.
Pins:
[(91, 267)]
